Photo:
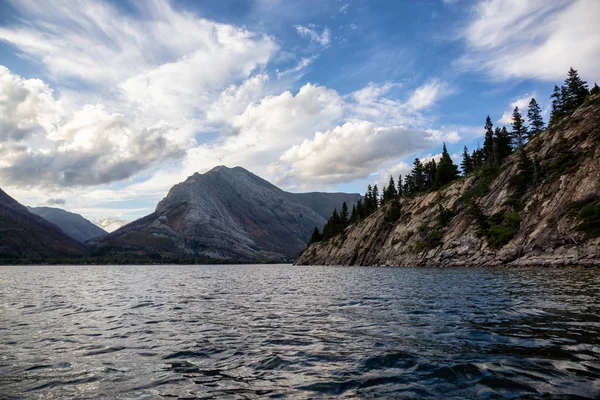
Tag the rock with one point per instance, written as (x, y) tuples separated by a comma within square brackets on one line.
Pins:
[(548, 233)]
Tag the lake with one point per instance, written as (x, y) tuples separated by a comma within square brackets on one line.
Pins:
[(257, 331)]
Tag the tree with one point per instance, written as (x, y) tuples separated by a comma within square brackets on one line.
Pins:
[(429, 172), (488, 143), (519, 130), (502, 145), (478, 157), (370, 202), (316, 236), (409, 185), (375, 198), (568, 97), (447, 171), (360, 210), (467, 162), (595, 90), (577, 90), (354, 218), (400, 186), (344, 215), (534, 115), (418, 176), (390, 193), (558, 105)]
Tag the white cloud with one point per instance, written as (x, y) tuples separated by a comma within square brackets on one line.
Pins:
[(299, 68), (536, 39), (522, 103), (323, 38), (155, 82), (428, 94), (349, 152)]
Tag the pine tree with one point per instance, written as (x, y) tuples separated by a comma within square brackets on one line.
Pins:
[(409, 185), (316, 236), (353, 215), (369, 206), (360, 210), (503, 145), (447, 171), (478, 158), (488, 143), (390, 193), (400, 186), (375, 198), (418, 176), (595, 90), (568, 97), (558, 106), (429, 172), (467, 162), (577, 90), (534, 114), (344, 215), (519, 130)]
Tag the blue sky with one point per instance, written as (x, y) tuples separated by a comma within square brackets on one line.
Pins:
[(105, 105)]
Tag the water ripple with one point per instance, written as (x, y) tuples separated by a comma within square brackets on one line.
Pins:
[(249, 332)]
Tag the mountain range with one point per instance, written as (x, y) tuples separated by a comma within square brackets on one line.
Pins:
[(26, 237), (225, 214)]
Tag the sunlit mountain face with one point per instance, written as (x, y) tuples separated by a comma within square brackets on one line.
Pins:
[(105, 105)]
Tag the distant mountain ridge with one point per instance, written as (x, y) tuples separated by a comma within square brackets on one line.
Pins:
[(28, 237), (74, 225), (227, 213)]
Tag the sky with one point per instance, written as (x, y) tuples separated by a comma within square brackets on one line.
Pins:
[(105, 105)]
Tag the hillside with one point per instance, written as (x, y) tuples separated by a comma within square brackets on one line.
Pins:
[(226, 213), (26, 237), (498, 220), (72, 224)]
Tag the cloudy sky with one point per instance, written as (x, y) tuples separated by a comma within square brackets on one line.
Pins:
[(104, 105)]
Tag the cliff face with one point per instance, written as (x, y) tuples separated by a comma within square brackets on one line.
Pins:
[(472, 223), (226, 213)]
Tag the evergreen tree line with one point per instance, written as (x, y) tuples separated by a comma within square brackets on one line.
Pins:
[(499, 143)]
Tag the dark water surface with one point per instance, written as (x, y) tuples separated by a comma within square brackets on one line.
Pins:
[(142, 332)]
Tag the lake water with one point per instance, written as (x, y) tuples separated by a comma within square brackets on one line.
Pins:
[(255, 331)]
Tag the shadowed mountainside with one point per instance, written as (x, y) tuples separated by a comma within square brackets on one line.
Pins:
[(26, 237), (72, 224)]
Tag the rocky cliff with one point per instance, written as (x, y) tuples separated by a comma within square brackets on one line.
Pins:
[(226, 213), (479, 220)]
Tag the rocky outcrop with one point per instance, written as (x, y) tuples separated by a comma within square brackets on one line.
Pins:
[(226, 214), (554, 224), (72, 224)]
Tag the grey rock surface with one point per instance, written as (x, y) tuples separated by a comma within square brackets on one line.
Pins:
[(548, 233), (228, 213)]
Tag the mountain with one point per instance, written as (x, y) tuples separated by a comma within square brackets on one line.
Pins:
[(72, 224), (548, 219), (26, 237), (225, 213)]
